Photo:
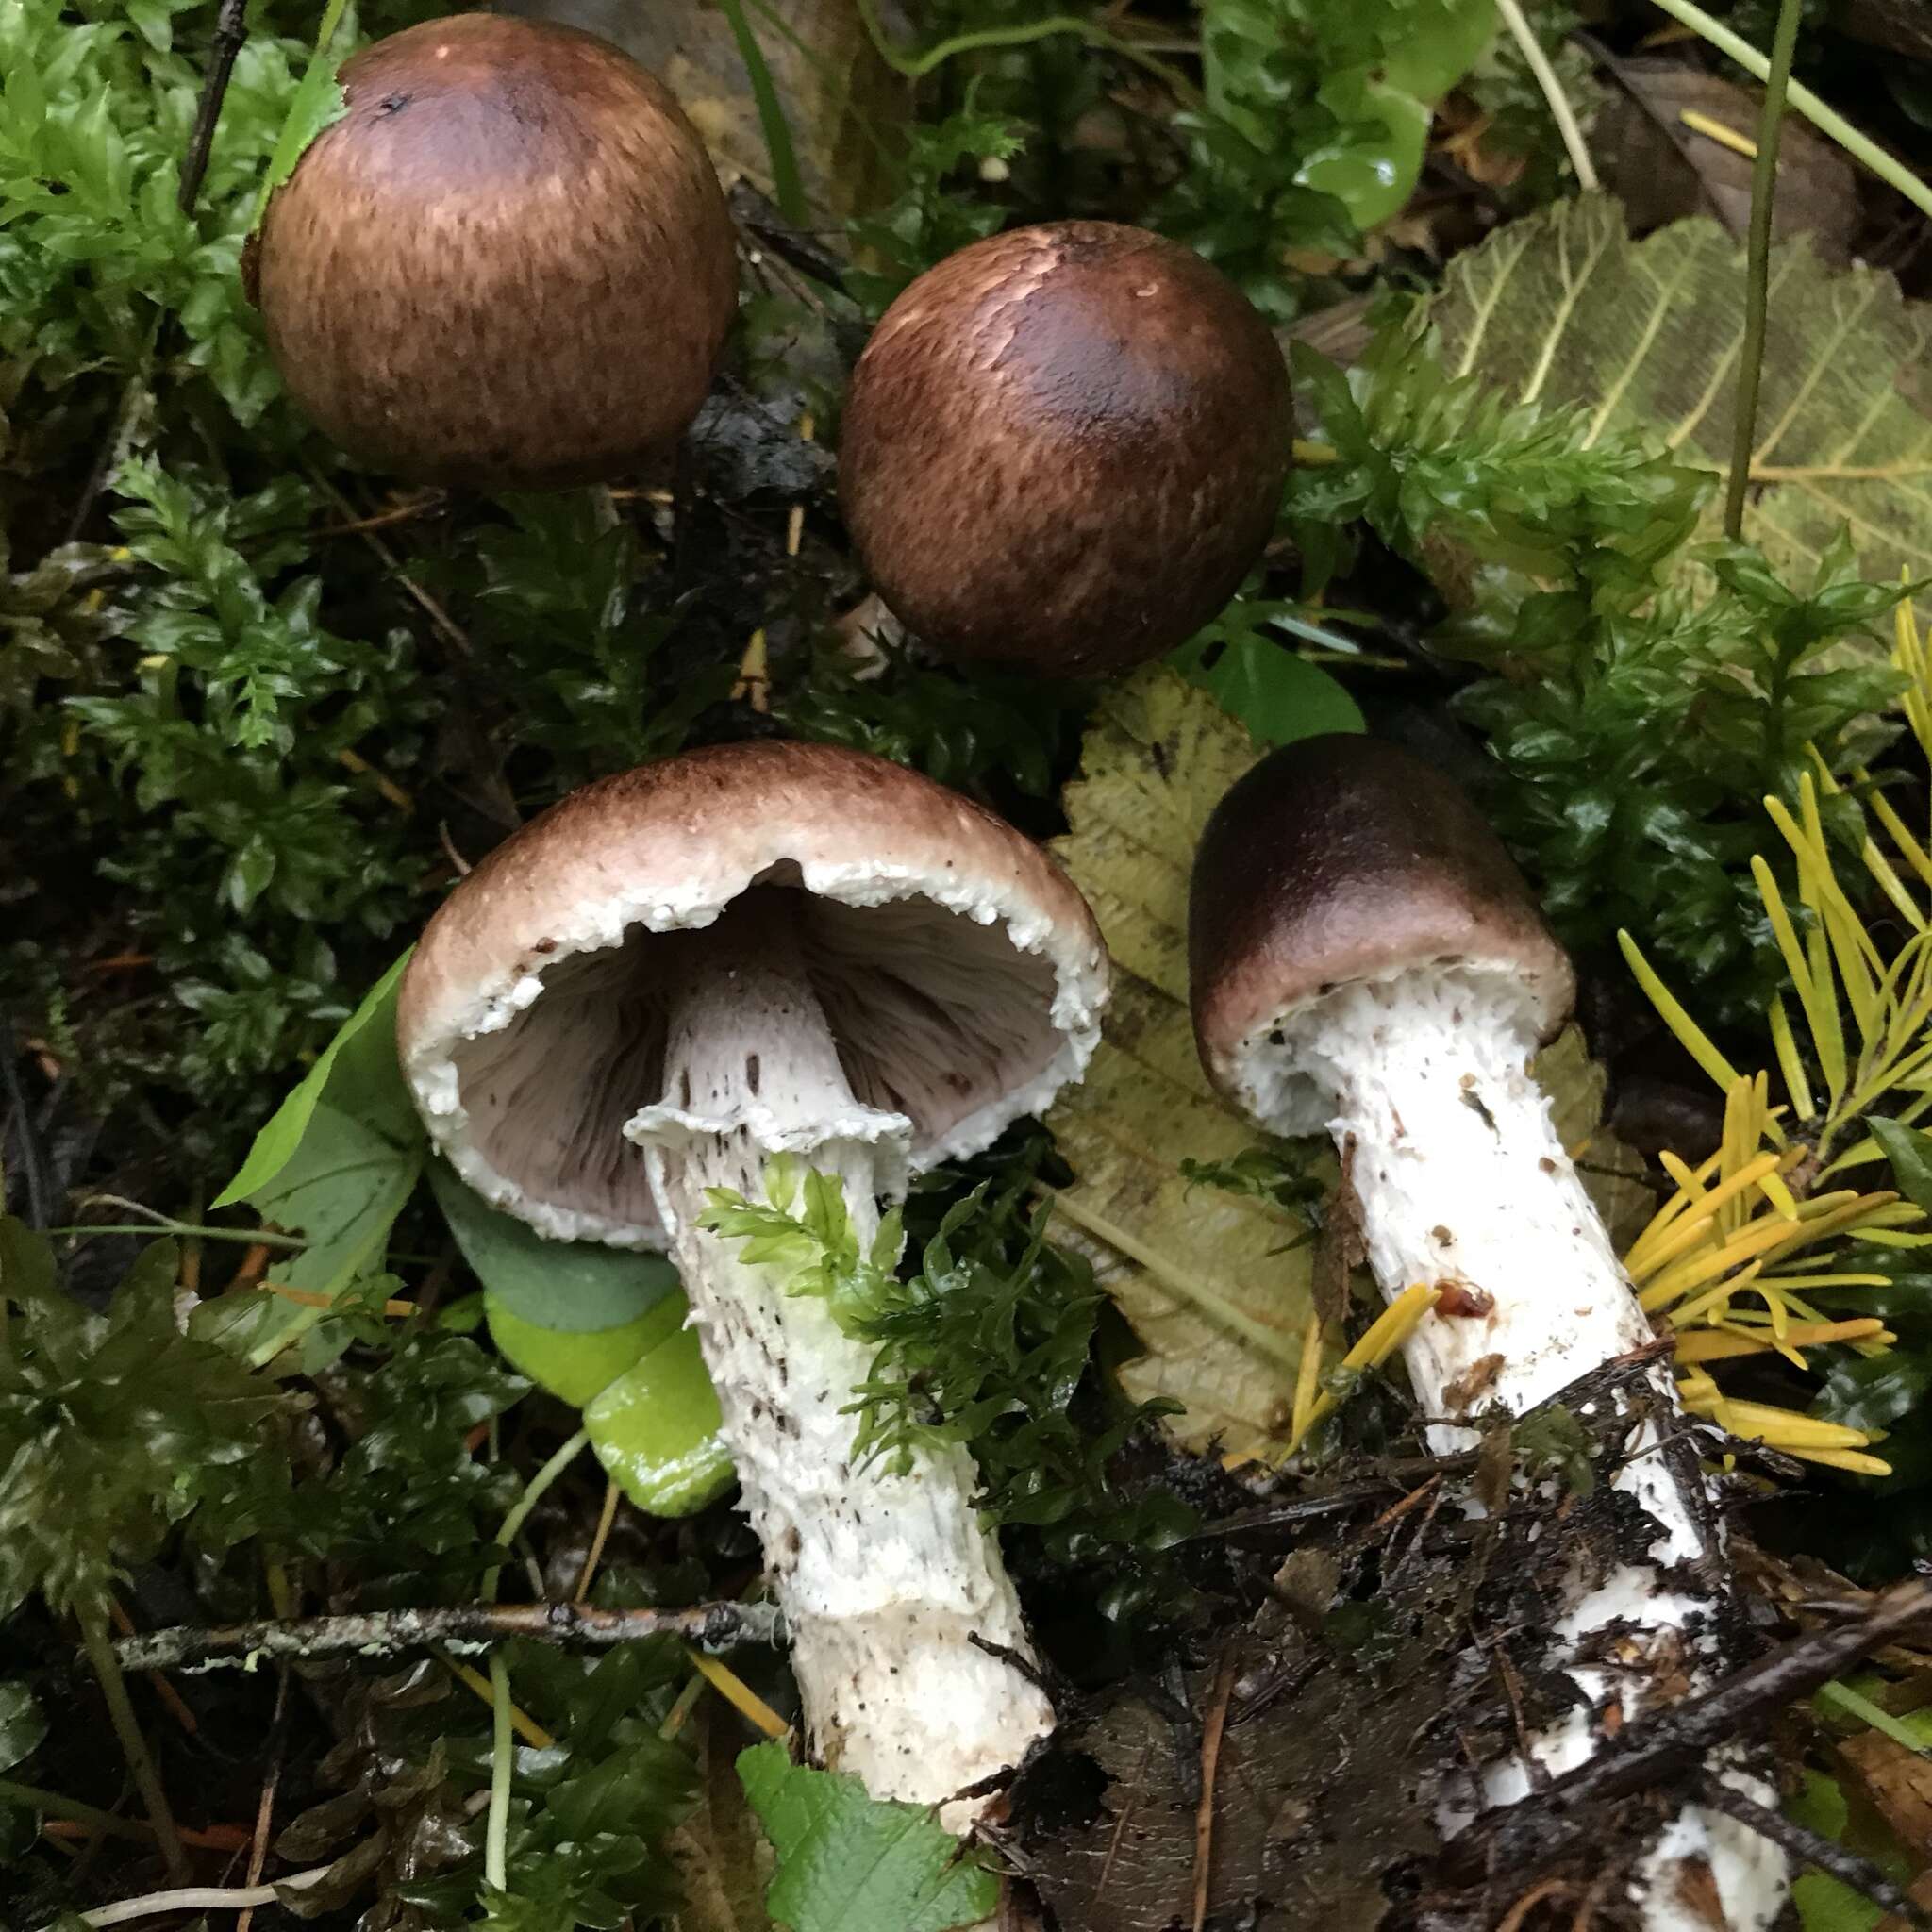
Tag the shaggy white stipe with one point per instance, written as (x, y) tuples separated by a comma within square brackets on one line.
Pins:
[(1463, 1183), (885, 1579)]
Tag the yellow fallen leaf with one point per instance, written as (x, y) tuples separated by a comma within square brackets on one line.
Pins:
[(1215, 1284)]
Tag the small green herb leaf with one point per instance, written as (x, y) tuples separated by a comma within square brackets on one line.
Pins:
[(1909, 1150), (850, 1863), (568, 1287), (23, 1725), (318, 101), (1277, 695), (359, 1072)]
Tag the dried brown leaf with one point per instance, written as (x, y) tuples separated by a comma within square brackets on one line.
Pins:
[(1664, 168)]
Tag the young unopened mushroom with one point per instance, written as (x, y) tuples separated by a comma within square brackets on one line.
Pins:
[(761, 949), (1064, 447), (1366, 959), (508, 265)]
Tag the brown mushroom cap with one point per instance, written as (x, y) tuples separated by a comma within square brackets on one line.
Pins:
[(1342, 858), (508, 265), (1064, 447), (959, 969)]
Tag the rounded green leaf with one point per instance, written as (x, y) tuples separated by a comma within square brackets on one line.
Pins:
[(1440, 51), (1372, 175), (575, 1364), (655, 1430), (572, 1287), (1277, 695)]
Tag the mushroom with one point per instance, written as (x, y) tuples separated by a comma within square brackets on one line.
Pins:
[(759, 949), (1366, 959), (508, 265), (1064, 447)]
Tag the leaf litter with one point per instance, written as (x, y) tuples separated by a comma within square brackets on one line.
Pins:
[(1386, 1635)]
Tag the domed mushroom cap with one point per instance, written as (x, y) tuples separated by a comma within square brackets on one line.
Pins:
[(1338, 859), (508, 265), (1064, 447), (960, 971)]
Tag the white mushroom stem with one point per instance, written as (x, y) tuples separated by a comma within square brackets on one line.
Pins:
[(886, 1580), (1463, 1183)]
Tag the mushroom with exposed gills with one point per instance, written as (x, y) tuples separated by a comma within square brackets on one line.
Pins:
[(1366, 959), (1063, 448), (766, 949), (509, 264)]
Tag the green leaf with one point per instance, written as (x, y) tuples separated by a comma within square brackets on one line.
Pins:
[(23, 1725), (360, 1074), (113, 1427), (318, 101), (788, 191), (1564, 308), (1277, 695), (1826, 1904), (656, 1429), (850, 1863), (569, 1287), (573, 1364), (342, 1188), (1910, 1154)]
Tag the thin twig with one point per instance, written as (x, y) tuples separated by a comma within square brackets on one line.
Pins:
[(519, 1512), (1758, 271), (1814, 1848), (265, 1804), (452, 632), (1551, 82), (171, 1699), (382, 1635), (917, 66), (1662, 1745), (98, 1823), (605, 1517), (39, 1189), (1860, 147), (120, 434), (206, 1898), (502, 1750), (502, 1755), (231, 31), (147, 1781), (1213, 1728)]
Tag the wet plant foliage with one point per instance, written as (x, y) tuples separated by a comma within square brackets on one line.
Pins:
[(259, 710)]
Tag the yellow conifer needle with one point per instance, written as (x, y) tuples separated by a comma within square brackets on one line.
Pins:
[(1718, 1298), (1723, 1344), (1689, 1234), (1716, 131), (525, 1726), (1688, 1194), (1385, 1335), (1307, 1380), (1851, 1459), (1643, 1261), (1695, 1041), (737, 1693), (1711, 1264), (1785, 1428), (1909, 849), (310, 1298)]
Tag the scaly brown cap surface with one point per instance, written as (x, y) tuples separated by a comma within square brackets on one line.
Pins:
[(1063, 448), (1342, 858), (509, 265), (960, 968)]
